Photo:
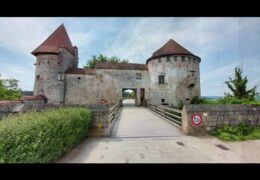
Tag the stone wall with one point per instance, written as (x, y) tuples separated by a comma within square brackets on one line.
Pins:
[(179, 75), (217, 116), (9, 108), (105, 87)]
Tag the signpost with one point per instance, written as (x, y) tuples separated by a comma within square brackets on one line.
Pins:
[(196, 119)]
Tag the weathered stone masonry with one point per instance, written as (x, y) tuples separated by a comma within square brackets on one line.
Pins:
[(217, 116), (170, 75)]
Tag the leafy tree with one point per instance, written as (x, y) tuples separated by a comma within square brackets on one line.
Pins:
[(91, 63), (238, 86), (132, 94), (9, 89)]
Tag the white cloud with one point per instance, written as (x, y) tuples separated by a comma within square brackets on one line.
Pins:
[(212, 83), (23, 35), (202, 36), (25, 75), (137, 40)]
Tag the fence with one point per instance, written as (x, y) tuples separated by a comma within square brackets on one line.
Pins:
[(113, 112), (174, 115)]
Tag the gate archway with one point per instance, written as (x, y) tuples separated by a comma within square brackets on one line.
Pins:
[(129, 96)]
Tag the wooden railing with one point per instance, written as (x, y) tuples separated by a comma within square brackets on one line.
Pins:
[(113, 111), (174, 115)]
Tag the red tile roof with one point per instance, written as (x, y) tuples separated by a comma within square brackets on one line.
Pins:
[(81, 71), (37, 97), (9, 102), (129, 66), (170, 48), (58, 39)]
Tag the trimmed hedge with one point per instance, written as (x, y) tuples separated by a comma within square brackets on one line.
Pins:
[(42, 137)]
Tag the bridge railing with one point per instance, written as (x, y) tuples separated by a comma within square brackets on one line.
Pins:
[(174, 115), (113, 112)]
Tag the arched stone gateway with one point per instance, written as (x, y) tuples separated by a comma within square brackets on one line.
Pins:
[(170, 75)]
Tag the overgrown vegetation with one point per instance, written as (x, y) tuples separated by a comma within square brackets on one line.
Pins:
[(42, 137), (237, 133), (91, 63), (9, 89)]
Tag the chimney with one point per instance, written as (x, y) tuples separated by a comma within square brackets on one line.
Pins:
[(76, 55), (76, 52)]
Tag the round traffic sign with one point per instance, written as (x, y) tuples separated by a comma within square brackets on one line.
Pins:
[(196, 119)]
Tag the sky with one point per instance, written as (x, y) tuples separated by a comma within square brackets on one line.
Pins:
[(222, 43)]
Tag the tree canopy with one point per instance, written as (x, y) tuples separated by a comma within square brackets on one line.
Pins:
[(9, 89), (91, 63), (238, 86)]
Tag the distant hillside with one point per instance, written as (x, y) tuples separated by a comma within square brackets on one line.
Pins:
[(218, 97), (212, 97), (27, 93)]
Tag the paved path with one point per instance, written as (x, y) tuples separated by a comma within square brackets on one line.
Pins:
[(142, 137), (183, 149), (140, 122)]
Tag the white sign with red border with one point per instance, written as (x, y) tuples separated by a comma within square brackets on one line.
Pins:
[(196, 119)]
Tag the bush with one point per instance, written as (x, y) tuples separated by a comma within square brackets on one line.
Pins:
[(236, 133), (198, 100), (42, 137)]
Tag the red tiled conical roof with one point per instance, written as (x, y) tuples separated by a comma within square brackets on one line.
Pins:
[(171, 48), (58, 39)]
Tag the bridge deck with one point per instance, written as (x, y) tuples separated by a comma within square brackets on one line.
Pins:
[(140, 122)]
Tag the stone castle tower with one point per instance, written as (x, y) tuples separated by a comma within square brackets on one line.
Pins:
[(174, 74), (53, 58)]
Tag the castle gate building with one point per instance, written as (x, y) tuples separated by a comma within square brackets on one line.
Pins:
[(170, 75)]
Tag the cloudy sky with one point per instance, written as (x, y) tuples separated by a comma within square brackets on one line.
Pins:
[(222, 44)]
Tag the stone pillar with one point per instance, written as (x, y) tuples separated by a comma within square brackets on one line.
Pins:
[(138, 97)]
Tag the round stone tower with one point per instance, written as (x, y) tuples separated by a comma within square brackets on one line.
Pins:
[(53, 58), (174, 75)]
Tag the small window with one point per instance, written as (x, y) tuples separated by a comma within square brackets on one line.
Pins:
[(175, 58), (39, 63), (192, 73), (194, 59), (189, 59), (168, 59), (159, 60), (161, 79), (38, 77), (138, 75), (162, 100), (79, 80), (182, 58)]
